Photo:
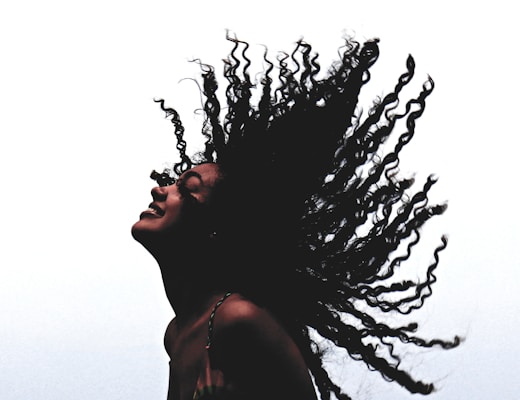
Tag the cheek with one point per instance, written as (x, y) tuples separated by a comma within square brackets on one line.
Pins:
[(173, 208), (181, 217), (191, 218), (169, 221)]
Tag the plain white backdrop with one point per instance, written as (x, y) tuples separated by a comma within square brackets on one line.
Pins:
[(82, 309)]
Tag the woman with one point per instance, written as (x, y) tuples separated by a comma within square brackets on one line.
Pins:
[(244, 350), (287, 229)]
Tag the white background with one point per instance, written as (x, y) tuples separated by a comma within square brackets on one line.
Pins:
[(82, 309)]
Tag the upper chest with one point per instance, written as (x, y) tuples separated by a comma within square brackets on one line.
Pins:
[(186, 349)]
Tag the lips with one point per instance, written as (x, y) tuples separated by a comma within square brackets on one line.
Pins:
[(153, 210)]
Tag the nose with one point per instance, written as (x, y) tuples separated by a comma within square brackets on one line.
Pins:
[(159, 193)]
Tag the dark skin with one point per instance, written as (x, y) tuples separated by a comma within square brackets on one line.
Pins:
[(257, 357)]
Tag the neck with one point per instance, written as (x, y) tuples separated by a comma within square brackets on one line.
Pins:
[(187, 290)]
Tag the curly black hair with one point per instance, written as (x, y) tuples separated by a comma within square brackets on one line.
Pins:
[(313, 202)]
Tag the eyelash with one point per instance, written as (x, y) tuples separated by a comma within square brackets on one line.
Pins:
[(183, 190)]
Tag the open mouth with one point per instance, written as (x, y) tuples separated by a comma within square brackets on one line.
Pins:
[(155, 210)]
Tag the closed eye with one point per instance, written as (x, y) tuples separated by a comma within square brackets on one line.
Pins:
[(184, 191), (188, 177)]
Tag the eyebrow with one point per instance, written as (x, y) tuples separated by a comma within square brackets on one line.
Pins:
[(191, 174)]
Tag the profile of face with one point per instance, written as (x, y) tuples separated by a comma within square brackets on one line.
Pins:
[(165, 216)]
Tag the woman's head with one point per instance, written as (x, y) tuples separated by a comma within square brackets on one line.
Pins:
[(179, 212)]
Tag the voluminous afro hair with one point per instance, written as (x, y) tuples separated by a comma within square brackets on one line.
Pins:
[(313, 216)]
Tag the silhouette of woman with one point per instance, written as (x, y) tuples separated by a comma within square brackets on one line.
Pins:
[(282, 237)]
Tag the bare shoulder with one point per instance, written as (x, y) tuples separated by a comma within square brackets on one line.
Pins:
[(238, 308), (239, 313), (243, 327), (254, 349)]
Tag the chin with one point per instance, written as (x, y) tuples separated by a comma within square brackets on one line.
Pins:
[(151, 238), (140, 234), (134, 232)]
